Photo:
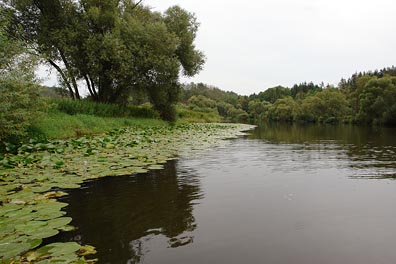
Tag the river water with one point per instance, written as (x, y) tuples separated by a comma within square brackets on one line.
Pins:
[(284, 194)]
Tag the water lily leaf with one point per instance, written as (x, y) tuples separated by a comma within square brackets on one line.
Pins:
[(6, 228), (56, 194), (59, 222), (67, 228), (11, 238), (32, 256), (24, 212), (9, 250), (69, 185), (59, 249), (50, 204), (35, 243), (42, 188), (30, 227), (86, 250), (6, 208), (155, 167), (24, 195), (140, 170), (43, 232), (48, 214)]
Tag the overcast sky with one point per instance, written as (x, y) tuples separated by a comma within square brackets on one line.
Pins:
[(257, 44)]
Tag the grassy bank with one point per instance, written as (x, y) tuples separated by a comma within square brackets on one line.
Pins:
[(64, 118), (68, 119), (58, 125)]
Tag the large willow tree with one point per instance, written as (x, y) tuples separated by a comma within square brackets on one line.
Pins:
[(115, 47)]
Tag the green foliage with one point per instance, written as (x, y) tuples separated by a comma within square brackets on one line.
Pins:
[(197, 115), (273, 94), (204, 98), (19, 94), (117, 48), (237, 115), (377, 101), (202, 102), (284, 109), (328, 105), (185, 26), (258, 109), (87, 107), (303, 89), (210, 92)]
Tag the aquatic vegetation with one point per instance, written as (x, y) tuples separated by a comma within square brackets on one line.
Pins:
[(31, 179)]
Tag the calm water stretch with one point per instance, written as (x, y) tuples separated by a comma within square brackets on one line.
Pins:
[(284, 194)]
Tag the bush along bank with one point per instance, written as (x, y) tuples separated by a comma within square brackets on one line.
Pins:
[(29, 211)]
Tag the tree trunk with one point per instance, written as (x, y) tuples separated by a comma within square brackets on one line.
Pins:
[(62, 74), (89, 88), (93, 88), (71, 75)]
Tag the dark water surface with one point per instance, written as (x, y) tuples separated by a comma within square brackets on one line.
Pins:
[(285, 194)]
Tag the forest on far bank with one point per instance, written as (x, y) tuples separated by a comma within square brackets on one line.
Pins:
[(367, 98)]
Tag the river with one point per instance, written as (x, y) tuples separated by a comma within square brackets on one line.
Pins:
[(283, 194)]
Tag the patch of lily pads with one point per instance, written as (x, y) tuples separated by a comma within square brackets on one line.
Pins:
[(32, 176)]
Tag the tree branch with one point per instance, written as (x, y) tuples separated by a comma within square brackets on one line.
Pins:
[(138, 3), (62, 74)]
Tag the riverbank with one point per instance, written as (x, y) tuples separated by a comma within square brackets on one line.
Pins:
[(31, 180), (59, 125)]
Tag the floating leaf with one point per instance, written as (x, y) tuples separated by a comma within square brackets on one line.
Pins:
[(56, 194), (44, 232), (59, 249), (67, 228), (9, 250), (30, 227), (59, 222), (86, 250)]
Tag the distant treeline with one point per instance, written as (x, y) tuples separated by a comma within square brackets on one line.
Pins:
[(364, 98)]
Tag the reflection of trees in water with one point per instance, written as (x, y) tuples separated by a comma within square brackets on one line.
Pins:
[(117, 215), (308, 133), (370, 150)]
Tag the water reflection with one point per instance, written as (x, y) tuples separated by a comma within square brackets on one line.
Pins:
[(369, 151), (282, 195), (311, 133), (121, 215)]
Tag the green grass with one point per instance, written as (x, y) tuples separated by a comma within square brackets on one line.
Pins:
[(68, 119), (58, 125), (87, 107)]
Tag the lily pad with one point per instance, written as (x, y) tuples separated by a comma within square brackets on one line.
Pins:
[(10, 250), (30, 227), (44, 232), (59, 222), (59, 249)]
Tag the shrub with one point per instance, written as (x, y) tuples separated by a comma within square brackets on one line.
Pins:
[(87, 107)]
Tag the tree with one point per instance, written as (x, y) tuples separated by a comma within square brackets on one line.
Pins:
[(258, 109), (303, 89), (19, 92), (116, 47), (284, 109), (378, 101), (273, 94), (328, 105)]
